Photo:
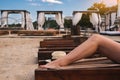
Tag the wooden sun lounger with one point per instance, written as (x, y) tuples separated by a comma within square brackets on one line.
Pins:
[(3, 32), (10, 30), (86, 69), (57, 43), (47, 46), (46, 53), (91, 68), (37, 32), (62, 42), (56, 49)]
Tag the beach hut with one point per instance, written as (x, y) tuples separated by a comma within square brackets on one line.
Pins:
[(41, 18), (95, 19), (112, 18), (112, 22), (26, 22)]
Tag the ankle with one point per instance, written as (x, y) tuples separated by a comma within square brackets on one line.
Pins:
[(63, 63)]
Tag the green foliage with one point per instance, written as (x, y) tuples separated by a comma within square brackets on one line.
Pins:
[(14, 25), (35, 24), (50, 24), (85, 21), (114, 8), (67, 23), (102, 8)]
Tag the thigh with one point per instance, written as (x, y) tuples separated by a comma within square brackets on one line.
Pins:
[(110, 48)]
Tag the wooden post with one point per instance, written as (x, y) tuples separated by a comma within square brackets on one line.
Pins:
[(75, 30)]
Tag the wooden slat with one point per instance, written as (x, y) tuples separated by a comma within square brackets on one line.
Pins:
[(89, 66), (57, 43), (36, 32), (3, 32), (101, 62), (56, 49)]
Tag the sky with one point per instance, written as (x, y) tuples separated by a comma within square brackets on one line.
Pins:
[(67, 6)]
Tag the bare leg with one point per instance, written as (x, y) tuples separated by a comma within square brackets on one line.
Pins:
[(87, 48)]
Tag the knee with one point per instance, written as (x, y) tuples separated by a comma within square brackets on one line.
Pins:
[(95, 37)]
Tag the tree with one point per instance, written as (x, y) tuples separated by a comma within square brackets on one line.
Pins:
[(35, 24), (85, 21), (50, 24), (102, 8), (99, 6), (114, 8), (68, 23)]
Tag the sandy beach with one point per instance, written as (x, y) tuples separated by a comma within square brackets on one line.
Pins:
[(18, 58)]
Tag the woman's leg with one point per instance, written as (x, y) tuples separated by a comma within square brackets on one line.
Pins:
[(104, 45), (109, 48)]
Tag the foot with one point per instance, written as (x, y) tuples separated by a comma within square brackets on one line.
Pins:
[(47, 66), (51, 65)]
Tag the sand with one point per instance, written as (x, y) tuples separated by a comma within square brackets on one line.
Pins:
[(18, 58)]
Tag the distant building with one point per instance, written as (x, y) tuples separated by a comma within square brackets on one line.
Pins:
[(51, 18), (68, 17)]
